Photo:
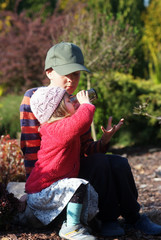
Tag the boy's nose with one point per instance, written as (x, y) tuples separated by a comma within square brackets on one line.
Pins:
[(70, 79)]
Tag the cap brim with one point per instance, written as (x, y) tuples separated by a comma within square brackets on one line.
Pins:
[(69, 68)]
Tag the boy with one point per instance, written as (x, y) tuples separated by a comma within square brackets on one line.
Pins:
[(110, 175)]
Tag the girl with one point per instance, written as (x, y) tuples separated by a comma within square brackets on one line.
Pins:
[(53, 183)]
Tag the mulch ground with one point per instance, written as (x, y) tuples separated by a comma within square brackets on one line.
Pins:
[(146, 167)]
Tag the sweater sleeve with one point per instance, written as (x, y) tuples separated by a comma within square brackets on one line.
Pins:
[(89, 146), (77, 124), (30, 137)]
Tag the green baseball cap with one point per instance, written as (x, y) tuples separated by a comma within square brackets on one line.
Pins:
[(65, 58)]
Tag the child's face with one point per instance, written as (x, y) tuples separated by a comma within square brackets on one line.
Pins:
[(69, 105), (68, 82)]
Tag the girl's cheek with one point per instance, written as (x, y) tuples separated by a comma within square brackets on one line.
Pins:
[(76, 105)]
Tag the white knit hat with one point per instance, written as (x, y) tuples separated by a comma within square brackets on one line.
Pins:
[(45, 101)]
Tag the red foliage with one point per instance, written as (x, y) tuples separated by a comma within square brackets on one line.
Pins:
[(11, 161), (23, 48)]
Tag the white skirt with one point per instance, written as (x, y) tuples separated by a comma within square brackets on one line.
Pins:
[(49, 203)]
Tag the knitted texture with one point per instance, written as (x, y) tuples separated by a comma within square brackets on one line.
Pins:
[(45, 101)]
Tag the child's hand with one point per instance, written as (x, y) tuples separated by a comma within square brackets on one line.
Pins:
[(83, 97), (110, 131)]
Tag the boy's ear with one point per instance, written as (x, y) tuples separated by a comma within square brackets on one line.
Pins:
[(49, 73)]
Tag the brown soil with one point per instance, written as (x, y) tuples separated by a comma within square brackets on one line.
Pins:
[(145, 166)]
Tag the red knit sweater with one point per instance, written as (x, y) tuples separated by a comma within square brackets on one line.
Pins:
[(59, 154)]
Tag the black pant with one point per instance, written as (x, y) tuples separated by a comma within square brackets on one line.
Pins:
[(112, 179), (78, 196)]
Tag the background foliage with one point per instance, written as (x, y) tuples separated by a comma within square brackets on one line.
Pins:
[(152, 39), (121, 44), (11, 161), (9, 114)]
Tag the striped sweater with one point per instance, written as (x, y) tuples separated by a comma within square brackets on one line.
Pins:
[(30, 136)]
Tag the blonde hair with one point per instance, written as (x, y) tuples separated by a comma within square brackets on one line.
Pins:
[(60, 112)]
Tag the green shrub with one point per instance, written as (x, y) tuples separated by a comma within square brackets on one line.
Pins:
[(10, 115), (138, 101), (119, 95)]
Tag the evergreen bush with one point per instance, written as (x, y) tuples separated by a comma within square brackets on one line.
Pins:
[(120, 95)]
